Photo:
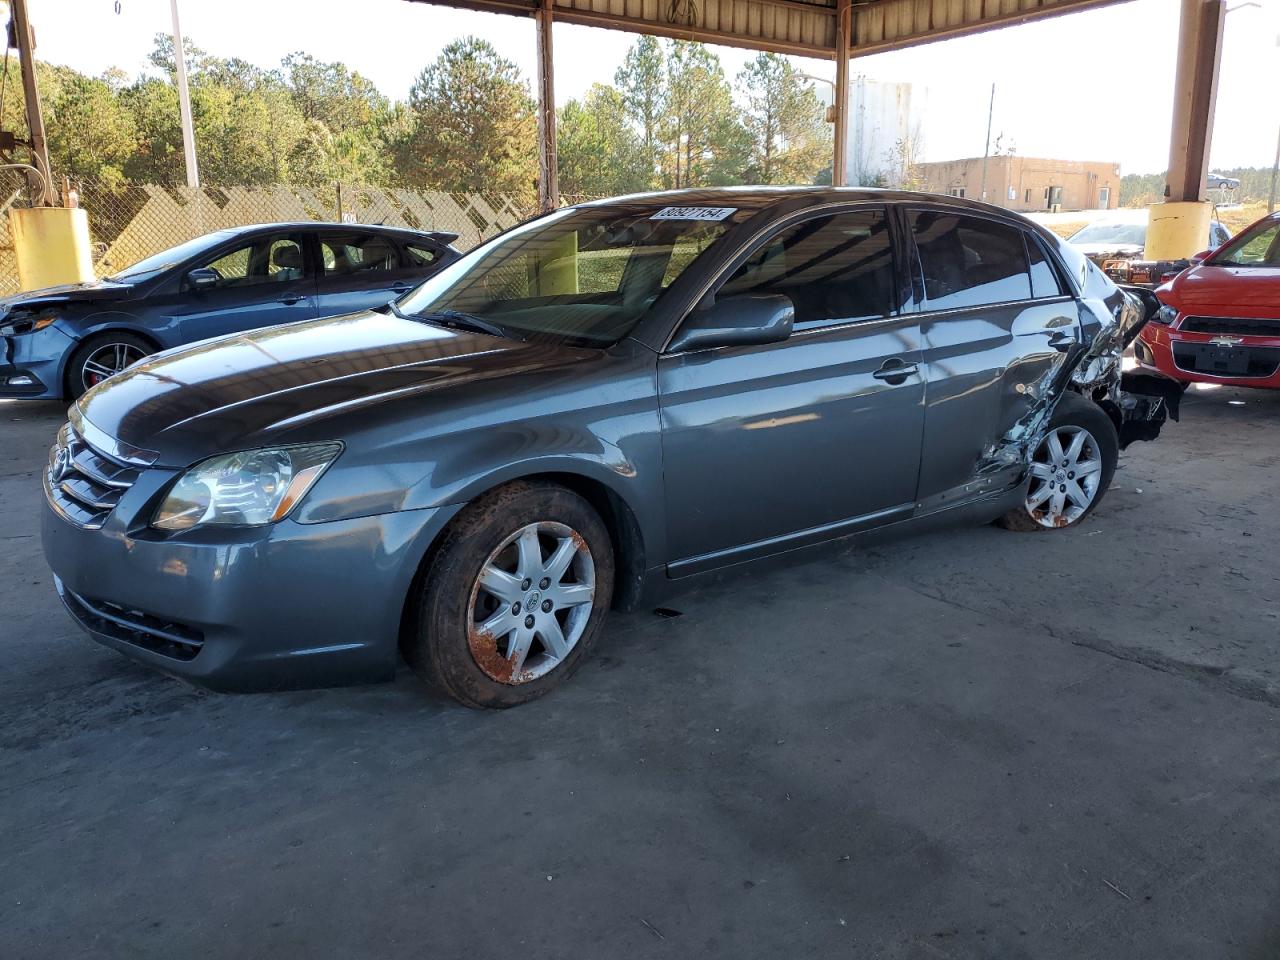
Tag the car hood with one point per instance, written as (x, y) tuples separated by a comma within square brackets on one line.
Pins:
[(1212, 286), (1104, 250), (66, 293), (279, 384)]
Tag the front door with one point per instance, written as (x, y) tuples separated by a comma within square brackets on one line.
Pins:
[(261, 282), (768, 447)]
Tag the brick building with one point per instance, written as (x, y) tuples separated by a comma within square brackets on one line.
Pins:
[(1026, 183)]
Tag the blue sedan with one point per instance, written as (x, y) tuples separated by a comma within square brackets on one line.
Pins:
[(60, 341)]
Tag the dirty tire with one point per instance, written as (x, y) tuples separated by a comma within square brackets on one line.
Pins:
[(103, 347), (1073, 410), (439, 646)]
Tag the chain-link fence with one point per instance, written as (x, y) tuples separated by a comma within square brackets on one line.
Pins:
[(132, 222)]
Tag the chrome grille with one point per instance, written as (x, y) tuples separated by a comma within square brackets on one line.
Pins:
[(82, 483), (1235, 326)]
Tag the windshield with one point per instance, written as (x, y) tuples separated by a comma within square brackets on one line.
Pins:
[(1259, 247), (1112, 232), (165, 259), (583, 275)]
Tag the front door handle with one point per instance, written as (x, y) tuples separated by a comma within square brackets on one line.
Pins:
[(290, 301), (400, 286), (895, 371)]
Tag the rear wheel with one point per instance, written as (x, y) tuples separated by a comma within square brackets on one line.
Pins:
[(1070, 470), (514, 597), (101, 357)]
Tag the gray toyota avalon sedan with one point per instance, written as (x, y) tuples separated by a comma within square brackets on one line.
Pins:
[(580, 414)]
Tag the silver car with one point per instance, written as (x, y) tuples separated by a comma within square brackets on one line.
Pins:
[(586, 412)]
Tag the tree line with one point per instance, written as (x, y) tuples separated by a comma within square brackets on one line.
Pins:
[(671, 118), (1142, 189)]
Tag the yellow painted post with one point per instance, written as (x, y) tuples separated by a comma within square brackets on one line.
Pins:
[(558, 267), (51, 245), (1177, 230)]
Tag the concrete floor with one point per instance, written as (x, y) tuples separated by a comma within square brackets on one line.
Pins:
[(968, 744)]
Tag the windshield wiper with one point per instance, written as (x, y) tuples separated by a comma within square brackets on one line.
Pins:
[(456, 320)]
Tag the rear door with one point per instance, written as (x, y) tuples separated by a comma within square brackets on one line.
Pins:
[(263, 281), (771, 446), (360, 269), (996, 327)]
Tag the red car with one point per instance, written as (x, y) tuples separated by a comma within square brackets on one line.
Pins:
[(1219, 321)]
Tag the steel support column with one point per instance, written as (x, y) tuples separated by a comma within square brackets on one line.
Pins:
[(1194, 95), (840, 95), (1179, 227), (548, 181), (35, 116)]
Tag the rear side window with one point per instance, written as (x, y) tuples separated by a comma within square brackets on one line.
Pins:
[(418, 255), (835, 269), (1044, 279), (967, 261), (358, 255)]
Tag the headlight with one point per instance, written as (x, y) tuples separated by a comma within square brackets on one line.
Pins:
[(247, 489), (1166, 315), (26, 323)]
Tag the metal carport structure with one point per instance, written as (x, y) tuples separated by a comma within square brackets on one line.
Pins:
[(845, 29)]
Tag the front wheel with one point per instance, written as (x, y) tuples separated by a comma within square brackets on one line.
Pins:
[(514, 596), (101, 357), (1070, 470)]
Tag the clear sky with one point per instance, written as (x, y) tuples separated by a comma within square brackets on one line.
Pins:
[(1088, 86)]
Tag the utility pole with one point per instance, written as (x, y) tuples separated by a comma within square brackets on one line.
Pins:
[(986, 151), (35, 116), (184, 100)]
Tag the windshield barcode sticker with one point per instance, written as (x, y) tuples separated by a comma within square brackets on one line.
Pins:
[(694, 213)]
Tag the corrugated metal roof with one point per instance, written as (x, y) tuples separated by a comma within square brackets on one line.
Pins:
[(805, 27)]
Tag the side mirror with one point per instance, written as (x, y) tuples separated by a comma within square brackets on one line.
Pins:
[(1199, 258), (737, 322), (202, 279)]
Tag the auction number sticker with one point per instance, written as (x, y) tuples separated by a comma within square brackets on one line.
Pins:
[(694, 213)]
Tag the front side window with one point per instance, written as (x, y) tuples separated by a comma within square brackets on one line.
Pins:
[(1259, 247), (835, 269), (968, 262), (358, 254), (265, 260), (584, 275)]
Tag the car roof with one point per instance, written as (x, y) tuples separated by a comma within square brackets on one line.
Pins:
[(762, 197), (331, 226)]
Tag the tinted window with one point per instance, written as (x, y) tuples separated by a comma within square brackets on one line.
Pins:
[(835, 268), (417, 255), (967, 261), (361, 254), (265, 260), (1044, 280)]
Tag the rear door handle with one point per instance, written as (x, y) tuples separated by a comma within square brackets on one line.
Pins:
[(290, 301), (1062, 341), (400, 286), (895, 371)]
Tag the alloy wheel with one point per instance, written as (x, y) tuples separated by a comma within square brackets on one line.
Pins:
[(531, 602), (1065, 474), (108, 360)]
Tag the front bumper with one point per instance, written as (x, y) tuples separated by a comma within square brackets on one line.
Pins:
[(288, 606), (1196, 358), (37, 358)]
